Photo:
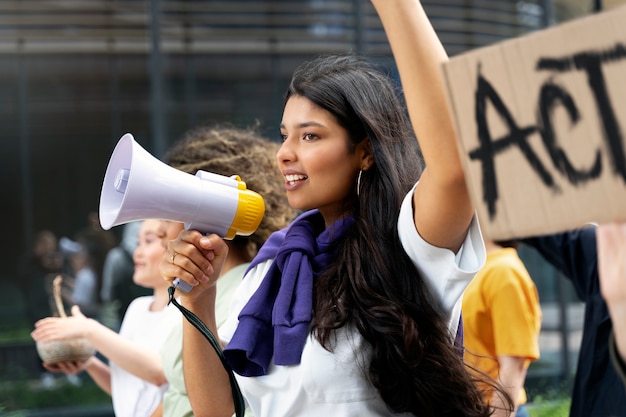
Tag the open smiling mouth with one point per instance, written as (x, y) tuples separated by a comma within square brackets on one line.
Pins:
[(292, 179)]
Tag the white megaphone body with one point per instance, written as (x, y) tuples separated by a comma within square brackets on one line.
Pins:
[(138, 186)]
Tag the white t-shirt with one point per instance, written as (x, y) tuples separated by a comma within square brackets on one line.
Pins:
[(132, 396), (333, 384)]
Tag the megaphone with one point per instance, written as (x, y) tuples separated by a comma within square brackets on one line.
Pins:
[(137, 186)]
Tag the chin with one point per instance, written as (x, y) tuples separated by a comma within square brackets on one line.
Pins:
[(298, 205)]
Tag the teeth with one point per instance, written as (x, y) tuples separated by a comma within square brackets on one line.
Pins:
[(291, 179)]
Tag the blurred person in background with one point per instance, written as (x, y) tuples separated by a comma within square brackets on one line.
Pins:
[(118, 288), (501, 323), (133, 376), (85, 281), (87, 253), (598, 390), (37, 269)]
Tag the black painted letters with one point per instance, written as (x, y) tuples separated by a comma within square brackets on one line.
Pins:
[(550, 96)]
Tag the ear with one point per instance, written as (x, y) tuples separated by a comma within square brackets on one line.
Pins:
[(366, 155)]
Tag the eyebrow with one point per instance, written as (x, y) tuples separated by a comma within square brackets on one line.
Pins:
[(305, 124), (151, 233)]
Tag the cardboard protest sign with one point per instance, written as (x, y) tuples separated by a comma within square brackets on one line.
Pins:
[(540, 121)]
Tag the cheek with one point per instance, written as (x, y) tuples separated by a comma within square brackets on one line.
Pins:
[(336, 171), (155, 255), (327, 162), (173, 230)]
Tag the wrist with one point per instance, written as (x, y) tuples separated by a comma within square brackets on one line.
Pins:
[(200, 296), (89, 363), (88, 329), (201, 304)]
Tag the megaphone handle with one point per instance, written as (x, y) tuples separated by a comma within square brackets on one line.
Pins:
[(179, 284)]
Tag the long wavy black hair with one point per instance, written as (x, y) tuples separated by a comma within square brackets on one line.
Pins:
[(373, 285)]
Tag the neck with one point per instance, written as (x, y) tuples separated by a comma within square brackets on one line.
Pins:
[(491, 246), (161, 298)]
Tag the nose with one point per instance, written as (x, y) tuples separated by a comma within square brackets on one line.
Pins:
[(285, 152), (137, 253)]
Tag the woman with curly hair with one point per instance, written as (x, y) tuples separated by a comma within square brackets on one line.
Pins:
[(225, 150)]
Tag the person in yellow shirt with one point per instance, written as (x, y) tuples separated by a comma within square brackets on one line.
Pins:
[(502, 321)]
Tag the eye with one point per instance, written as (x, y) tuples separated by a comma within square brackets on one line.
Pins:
[(309, 136), (283, 137)]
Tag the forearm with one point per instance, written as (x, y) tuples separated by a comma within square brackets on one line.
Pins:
[(500, 407), (143, 363), (100, 373), (418, 54), (512, 374), (443, 209), (206, 380)]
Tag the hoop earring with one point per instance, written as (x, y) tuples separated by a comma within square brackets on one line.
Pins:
[(358, 183)]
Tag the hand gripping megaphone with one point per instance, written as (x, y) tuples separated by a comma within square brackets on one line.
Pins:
[(137, 186)]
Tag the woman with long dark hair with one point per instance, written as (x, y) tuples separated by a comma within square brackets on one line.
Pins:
[(353, 309)]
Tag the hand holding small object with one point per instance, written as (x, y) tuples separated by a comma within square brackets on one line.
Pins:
[(193, 258)]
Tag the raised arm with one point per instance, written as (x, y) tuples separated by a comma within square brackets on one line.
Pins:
[(442, 207)]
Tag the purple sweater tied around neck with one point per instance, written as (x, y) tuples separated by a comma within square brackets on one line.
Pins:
[(275, 321)]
